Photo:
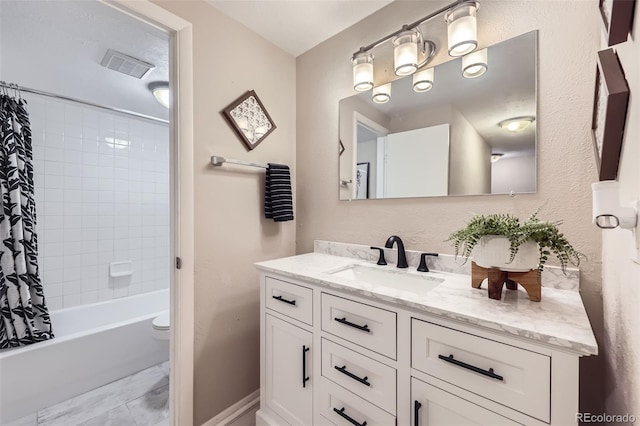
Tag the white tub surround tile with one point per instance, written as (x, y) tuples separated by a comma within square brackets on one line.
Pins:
[(559, 320), (99, 176), (552, 276)]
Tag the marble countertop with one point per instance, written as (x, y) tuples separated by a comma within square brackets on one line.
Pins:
[(559, 320)]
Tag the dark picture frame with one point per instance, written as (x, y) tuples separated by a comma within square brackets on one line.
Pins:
[(611, 99), (249, 119), (617, 18), (362, 180)]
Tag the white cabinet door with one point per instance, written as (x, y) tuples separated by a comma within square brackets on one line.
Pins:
[(435, 407), (288, 367)]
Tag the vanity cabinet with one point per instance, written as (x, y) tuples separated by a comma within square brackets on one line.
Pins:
[(433, 406), (288, 390), (333, 357)]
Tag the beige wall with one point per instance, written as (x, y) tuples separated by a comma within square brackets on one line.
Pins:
[(469, 158), (568, 40), (231, 232), (621, 276)]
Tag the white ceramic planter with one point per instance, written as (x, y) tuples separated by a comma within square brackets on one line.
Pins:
[(492, 251)]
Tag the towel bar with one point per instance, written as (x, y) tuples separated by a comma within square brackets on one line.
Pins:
[(217, 160)]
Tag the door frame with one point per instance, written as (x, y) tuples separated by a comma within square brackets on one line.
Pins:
[(182, 200)]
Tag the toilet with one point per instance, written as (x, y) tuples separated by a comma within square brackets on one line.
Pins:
[(161, 328)]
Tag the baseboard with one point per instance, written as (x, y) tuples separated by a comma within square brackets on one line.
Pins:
[(236, 410)]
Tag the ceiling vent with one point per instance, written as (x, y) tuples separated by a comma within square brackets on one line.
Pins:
[(126, 64)]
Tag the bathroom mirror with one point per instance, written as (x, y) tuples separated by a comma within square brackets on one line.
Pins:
[(465, 136)]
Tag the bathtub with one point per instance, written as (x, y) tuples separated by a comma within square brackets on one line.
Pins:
[(94, 345)]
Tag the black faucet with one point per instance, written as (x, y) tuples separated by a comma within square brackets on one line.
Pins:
[(402, 256)]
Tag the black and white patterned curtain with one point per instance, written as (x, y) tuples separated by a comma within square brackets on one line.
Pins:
[(24, 317)]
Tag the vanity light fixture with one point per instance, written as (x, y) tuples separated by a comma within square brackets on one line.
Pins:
[(423, 80), (382, 94), (362, 71), (160, 90), (411, 51), (405, 52), (516, 124), (496, 156), (462, 31), (474, 64)]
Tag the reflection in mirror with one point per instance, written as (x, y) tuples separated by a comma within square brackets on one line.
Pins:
[(464, 136)]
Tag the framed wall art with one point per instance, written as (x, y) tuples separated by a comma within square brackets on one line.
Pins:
[(362, 181), (610, 102), (617, 17), (249, 119)]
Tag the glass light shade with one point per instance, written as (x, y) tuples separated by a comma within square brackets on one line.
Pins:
[(474, 64), (496, 156), (382, 94), (423, 80), (362, 72), (405, 53), (160, 90), (462, 32), (516, 124)]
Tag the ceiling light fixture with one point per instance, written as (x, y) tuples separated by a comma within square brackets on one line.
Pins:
[(474, 64), (496, 156), (160, 90), (516, 124), (423, 80), (382, 94), (411, 52)]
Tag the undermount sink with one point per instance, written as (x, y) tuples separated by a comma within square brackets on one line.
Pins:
[(392, 278)]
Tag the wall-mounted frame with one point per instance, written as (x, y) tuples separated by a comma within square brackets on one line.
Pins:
[(617, 17), (362, 181), (609, 113), (248, 117)]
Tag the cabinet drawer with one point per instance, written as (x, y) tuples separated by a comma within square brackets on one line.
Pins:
[(289, 299), (434, 407), (362, 375), (364, 325), (516, 378), (340, 407)]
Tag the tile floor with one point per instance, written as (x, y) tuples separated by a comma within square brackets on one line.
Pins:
[(141, 399)]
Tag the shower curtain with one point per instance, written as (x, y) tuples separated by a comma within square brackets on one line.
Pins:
[(24, 318)]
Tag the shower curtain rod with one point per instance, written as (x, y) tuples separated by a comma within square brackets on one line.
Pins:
[(67, 98)]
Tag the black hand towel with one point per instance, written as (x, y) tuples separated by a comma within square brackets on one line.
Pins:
[(278, 198)]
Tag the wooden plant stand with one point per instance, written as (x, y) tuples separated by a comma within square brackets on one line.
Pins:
[(530, 281)]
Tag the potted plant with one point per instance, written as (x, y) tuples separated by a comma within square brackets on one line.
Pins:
[(489, 238)]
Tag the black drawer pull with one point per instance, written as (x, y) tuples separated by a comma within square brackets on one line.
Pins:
[(488, 373), (280, 298), (348, 418), (305, 378), (416, 412), (343, 370), (344, 321)]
